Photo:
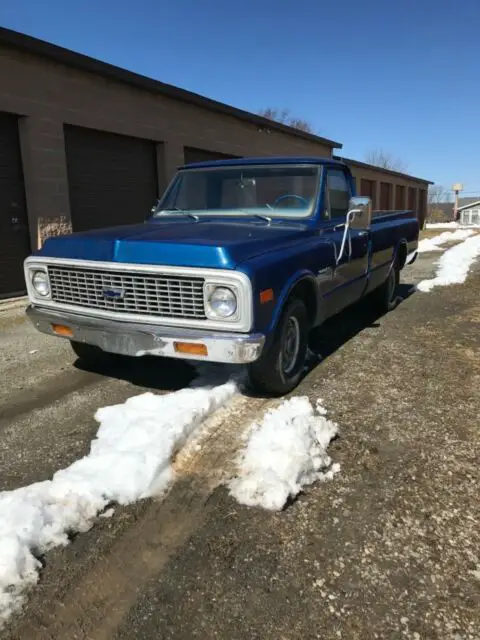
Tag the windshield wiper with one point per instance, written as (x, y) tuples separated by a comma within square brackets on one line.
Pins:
[(263, 217), (178, 210)]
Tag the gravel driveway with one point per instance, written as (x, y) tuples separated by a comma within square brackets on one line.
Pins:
[(389, 549)]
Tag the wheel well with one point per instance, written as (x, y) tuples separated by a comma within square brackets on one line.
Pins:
[(401, 256), (306, 292)]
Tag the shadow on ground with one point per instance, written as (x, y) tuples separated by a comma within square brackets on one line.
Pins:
[(339, 329), (162, 374), (168, 374)]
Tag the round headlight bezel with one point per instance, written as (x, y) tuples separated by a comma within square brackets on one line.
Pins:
[(40, 274), (219, 295)]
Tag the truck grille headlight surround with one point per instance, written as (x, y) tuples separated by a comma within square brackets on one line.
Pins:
[(40, 283), (221, 302)]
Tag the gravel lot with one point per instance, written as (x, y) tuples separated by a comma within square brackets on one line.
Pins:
[(389, 549)]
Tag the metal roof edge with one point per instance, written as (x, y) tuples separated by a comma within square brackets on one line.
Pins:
[(62, 55), (376, 168), (467, 206)]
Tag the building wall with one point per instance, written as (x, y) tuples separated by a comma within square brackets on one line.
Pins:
[(50, 94), (412, 192)]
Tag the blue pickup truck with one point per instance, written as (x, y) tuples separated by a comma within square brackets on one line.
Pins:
[(237, 263)]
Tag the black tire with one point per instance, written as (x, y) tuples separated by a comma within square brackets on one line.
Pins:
[(385, 298), (91, 354), (270, 374)]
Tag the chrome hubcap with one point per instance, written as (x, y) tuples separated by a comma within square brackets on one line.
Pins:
[(291, 345)]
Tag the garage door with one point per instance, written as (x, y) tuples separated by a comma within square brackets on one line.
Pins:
[(112, 179), (14, 236), (203, 155), (399, 197), (367, 189), (385, 196), (412, 198)]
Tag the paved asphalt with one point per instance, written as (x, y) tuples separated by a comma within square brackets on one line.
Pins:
[(389, 549)]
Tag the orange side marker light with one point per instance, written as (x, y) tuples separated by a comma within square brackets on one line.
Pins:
[(266, 296)]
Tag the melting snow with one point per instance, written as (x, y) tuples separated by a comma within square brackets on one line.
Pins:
[(449, 225), (128, 460), (434, 244), (286, 451), (442, 225), (454, 265)]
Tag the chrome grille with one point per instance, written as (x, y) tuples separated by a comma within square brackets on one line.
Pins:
[(137, 293)]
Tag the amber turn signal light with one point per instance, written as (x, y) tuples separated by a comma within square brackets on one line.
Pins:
[(191, 348), (62, 330)]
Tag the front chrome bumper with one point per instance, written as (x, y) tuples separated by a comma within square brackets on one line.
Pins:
[(134, 339)]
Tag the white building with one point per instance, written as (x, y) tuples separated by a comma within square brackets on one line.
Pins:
[(469, 214)]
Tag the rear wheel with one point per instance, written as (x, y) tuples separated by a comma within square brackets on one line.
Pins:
[(385, 297), (280, 367)]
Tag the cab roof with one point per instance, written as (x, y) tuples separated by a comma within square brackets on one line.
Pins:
[(234, 162)]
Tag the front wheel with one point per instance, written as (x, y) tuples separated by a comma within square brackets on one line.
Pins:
[(280, 367)]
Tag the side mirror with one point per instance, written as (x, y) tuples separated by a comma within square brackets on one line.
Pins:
[(360, 212)]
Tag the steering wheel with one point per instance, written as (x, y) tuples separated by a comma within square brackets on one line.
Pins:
[(290, 195)]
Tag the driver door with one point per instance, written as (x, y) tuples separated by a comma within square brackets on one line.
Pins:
[(350, 274)]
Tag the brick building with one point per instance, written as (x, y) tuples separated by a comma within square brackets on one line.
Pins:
[(84, 144)]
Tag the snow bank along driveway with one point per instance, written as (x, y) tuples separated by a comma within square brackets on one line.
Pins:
[(445, 225), (130, 459), (285, 452), (454, 265), (434, 244)]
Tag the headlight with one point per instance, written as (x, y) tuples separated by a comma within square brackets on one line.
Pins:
[(222, 302), (40, 283)]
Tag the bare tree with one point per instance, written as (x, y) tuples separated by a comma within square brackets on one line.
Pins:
[(438, 194), (385, 160), (440, 207), (283, 116)]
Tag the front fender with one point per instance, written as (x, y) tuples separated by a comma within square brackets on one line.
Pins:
[(278, 273), (289, 286), (267, 316)]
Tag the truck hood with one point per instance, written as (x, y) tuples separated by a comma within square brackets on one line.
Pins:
[(207, 243)]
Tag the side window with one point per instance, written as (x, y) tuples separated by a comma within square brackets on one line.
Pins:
[(337, 195)]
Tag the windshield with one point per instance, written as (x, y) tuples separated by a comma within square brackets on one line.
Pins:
[(287, 191)]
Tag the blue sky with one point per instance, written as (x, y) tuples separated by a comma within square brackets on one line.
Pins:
[(398, 75)]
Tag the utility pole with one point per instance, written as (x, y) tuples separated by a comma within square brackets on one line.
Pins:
[(457, 187)]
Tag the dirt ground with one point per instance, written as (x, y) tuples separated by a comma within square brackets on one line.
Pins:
[(389, 549)]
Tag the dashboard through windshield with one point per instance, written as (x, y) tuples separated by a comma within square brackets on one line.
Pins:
[(288, 191)]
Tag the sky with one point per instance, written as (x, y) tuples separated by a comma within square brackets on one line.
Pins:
[(401, 76)]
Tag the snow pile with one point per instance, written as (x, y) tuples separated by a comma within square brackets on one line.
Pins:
[(128, 460), (442, 225), (285, 452), (454, 265), (434, 244), (448, 225)]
